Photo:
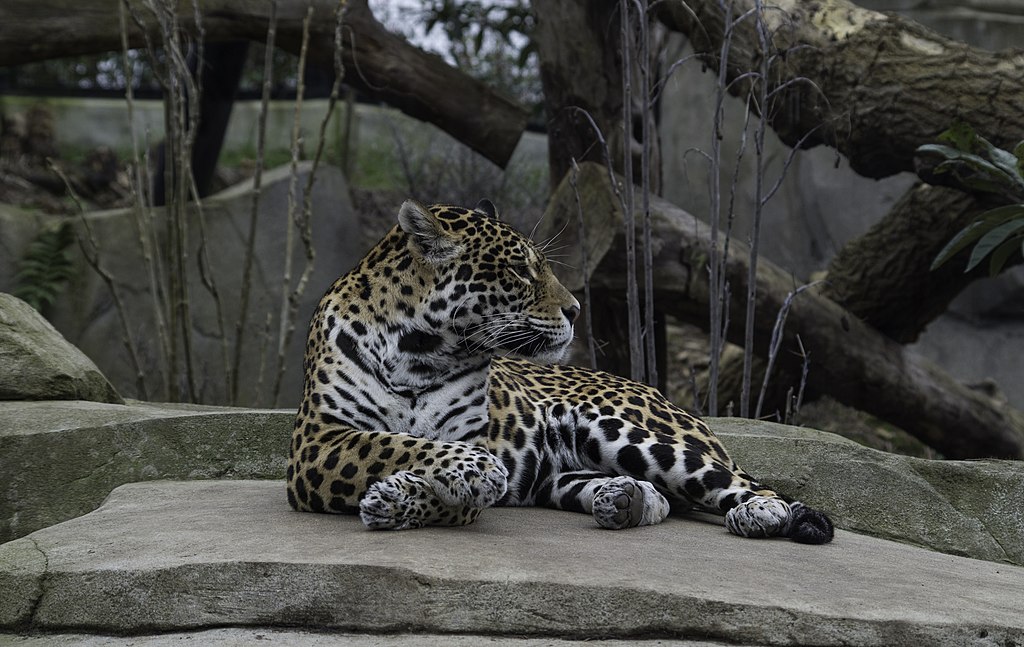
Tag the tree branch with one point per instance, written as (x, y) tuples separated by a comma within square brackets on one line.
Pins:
[(848, 359), (878, 85), (383, 65)]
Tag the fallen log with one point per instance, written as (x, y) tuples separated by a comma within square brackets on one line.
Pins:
[(885, 276), (377, 62), (876, 85), (849, 360), (885, 279)]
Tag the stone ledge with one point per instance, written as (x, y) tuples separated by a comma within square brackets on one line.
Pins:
[(186, 556), (59, 460), (247, 637)]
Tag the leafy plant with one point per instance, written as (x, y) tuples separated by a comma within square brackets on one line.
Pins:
[(46, 268), (969, 161)]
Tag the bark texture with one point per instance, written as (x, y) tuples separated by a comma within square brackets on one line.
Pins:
[(581, 71), (884, 277), (850, 361), (377, 62), (878, 85)]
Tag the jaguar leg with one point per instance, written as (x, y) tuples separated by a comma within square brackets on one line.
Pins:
[(405, 500), (410, 482), (686, 463), (615, 501)]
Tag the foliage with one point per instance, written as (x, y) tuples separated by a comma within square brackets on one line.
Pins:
[(492, 41), (106, 72), (969, 161), (46, 268)]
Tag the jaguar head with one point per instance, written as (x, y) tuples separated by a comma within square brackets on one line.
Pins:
[(491, 287)]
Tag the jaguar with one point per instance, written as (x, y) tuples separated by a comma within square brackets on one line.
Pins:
[(432, 392)]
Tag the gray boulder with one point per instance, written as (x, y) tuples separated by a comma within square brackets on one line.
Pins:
[(37, 363), (973, 508), (178, 556), (60, 460)]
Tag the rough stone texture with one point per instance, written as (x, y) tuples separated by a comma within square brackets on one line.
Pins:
[(246, 637), (973, 508), (175, 556), (37, 363), (86, 313), (59, 460)]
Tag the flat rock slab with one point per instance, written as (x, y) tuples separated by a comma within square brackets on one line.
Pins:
[(234, 637), (185, 556), (61, 459)]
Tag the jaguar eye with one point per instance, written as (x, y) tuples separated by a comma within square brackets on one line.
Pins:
[(521, 270)]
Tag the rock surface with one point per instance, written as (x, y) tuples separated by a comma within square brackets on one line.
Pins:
[(86, 314), (176, 556), (37, 363), (234, 637), (972, 508), (59, 460)]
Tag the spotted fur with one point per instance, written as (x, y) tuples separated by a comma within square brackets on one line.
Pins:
[(429, 397)]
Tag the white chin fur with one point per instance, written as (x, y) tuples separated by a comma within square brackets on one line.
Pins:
[(552, 356)]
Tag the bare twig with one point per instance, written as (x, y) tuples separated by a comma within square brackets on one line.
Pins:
[(716, 261), (761, 85), (305, 223), (291, 217), (651, 355), (205, 270), (636, 357), (776, 342), (257, 183), (91, 253), (142, 217)]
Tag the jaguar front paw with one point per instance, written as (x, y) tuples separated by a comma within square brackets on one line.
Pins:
[(473, 477), (624, 502), (395, 503)]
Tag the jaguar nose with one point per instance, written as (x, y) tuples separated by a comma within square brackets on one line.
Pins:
[(571, 313)]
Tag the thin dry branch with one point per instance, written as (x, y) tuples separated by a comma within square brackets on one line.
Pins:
[(877, 85), (849, 360), (419, 84)]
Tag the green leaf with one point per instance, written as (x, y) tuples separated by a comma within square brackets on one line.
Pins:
[(993, 239), (960, 135), (1018, 152), (985, 223), (976, 163), (1003, 254)]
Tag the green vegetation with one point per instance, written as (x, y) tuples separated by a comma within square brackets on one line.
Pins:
[(44, 271), (969, 161)]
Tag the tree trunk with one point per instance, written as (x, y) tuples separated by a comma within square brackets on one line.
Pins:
[(585, 96), (849, 360), (377, 62), (884, 277), (876, 85)]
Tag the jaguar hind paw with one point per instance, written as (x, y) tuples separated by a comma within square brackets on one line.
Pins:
[(759, 516), (624, 502)]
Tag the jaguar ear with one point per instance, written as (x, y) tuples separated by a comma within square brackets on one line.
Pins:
[(430, 240), (486, 206)]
